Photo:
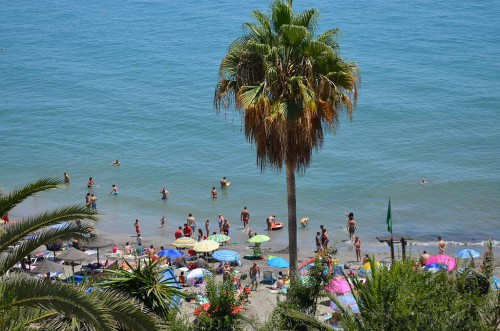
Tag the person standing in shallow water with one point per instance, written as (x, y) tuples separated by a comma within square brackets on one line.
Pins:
[(441, 245), (66, 178), (214, 193), (245, 217), (223, 182), (351, 225)]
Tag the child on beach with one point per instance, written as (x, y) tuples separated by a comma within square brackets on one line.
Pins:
[(357, 245)]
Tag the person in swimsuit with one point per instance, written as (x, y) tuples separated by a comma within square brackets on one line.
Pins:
[(93, 200), (164, 193), (319, 243), (114, 191), (163, 220), (152, 253), (221, 221), (66, 178), (116, 163), (207, 227), (441, 245), (351, 225), (225, 227), (88, 203), (269, 224), (324, 239), (191, 221), (245, 217), (254, 274), (137, 228), (357, 245), (223, 182), (214, 193), (90, 182)]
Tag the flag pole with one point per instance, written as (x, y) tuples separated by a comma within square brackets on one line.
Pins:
[(389, 227)]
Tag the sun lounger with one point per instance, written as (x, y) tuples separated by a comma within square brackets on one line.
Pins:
[(267, 277)]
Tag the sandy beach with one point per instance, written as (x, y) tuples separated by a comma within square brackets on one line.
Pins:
[(263, 300)]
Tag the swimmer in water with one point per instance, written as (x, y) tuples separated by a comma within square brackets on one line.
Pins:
[(90, 182), (423, 181), (214, 193), (164, 193), (66, 177), (114, 190), (116, 163)]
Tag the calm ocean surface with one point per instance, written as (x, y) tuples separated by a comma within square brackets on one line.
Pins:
[(85, 83)]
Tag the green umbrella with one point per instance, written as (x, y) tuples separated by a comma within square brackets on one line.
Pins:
[(259, 238), (220, 238)]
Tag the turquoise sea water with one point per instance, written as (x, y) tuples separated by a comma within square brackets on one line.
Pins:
[(85, 83)]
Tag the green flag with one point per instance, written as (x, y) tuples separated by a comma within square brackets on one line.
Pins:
[(389, 218)]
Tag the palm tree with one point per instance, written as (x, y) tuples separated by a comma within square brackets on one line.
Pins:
[(290, 87), (27, 301)]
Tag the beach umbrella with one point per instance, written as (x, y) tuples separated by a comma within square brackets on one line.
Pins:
[(98, 242), (346, 300), (47, 266), (278, 262), (197, 273), (338, 285), (226, 255), (184, 242), (38, 250), (447, 260), (220, 238), (259, 239), (170, 253), (206, 246), (73, 255), (468, 253)]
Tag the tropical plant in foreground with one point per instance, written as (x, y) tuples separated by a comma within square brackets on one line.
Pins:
[(224, 312), (298, 311), (290, 87), (31, 303), (406, 299), (144, 282)]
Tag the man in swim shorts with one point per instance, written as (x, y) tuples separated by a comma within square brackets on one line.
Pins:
[(164, 193), (223, 182), (351, 225), (93, 200), (191, 222), (214, 193), (254, 274), (245, 217)]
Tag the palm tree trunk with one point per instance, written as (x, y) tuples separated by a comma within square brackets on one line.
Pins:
[(292, 217)]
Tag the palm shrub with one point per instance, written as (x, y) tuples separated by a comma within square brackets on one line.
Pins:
[(144, 283), (298, 310), (406, 299), (28, 302)]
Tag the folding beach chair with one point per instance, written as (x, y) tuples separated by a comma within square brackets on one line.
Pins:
[(257, 252), (267, 277)]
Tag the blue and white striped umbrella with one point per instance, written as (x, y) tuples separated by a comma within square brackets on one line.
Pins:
[(468, 253), (226, 255)]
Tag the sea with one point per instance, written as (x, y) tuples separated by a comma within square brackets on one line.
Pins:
[(83, 83)]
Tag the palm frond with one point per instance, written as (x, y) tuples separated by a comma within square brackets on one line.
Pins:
[(25, 291), (18, 195)]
